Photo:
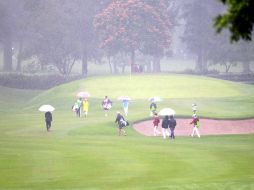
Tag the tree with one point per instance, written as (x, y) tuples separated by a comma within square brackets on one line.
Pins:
[(82, 13), (223, 52), (245, 54), (128, 26), (239, 19), (63, 33), (54, 37), (7, 22), (230, 54), (23, 31), (16, 30), (199, 34)]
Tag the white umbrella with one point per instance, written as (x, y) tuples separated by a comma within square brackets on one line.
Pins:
[(124, 98), (167, 111), (155, 99), (46, 108), (83, 94)]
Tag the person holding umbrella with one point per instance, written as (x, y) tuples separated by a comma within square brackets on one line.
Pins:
[(125, 103), (106, 105), (166, 122), (165, 127), (48, 120), (85, 107), (125, 106), (48, 115)]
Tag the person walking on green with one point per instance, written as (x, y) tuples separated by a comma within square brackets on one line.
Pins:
[(121, 124), (79, 106), (156, 121), (48, 120), (172, 125), (85, 107), (165, 127), (195, 122), (153, 108)]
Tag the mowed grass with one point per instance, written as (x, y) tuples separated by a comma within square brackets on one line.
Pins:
[(86, 153)]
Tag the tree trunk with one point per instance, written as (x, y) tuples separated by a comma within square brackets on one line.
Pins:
[(110, 66), (201, 64), (228, 66), (19, 57), (204, 65), (198, 66), (156, 64), (115, 67), (149, 67), (246, 67), (132, 60), (7, 43), (84, 63), (123, 68)]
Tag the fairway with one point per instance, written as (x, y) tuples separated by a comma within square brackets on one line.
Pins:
[(87, 153)]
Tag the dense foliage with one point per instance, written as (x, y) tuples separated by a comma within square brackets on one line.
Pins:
[(22, 81), (239, 19), (134, 25)]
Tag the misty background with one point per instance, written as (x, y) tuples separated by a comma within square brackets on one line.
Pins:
[(54, 41)]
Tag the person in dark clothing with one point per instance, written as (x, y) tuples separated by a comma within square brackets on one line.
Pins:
[(165, 127), (172, 125), (121, 124), (48, 120)]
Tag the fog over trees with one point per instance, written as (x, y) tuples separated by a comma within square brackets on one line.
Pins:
[(59, 34)]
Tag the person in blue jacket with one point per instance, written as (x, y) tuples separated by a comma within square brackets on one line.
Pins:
[(125, 106)]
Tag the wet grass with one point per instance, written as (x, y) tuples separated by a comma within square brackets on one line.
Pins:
[(86, 153)]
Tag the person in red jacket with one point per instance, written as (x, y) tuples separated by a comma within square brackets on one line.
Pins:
[(195, 122), (156, 121)]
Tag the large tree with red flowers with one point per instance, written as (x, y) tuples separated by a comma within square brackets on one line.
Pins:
[(131, 25)]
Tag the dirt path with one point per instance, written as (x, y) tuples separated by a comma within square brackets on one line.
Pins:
[(208, 127)]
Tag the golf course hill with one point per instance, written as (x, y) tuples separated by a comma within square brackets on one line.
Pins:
[(215, 98)]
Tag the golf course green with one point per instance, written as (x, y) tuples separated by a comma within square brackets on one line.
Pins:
[(87, 153)]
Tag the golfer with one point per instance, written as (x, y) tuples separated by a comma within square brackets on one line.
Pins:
[(195, 122), (85, 107), (153, 108), (172, 125), (106, 105), (156, 121), (165, 127), (48, 120), (121, 124), (79, 106), (125, 106)]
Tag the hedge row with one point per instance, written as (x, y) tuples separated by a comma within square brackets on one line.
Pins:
[(247, 78), (21, 81)]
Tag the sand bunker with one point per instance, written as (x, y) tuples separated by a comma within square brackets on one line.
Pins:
[(208, 127)]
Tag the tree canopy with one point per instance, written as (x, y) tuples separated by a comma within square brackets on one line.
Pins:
[(134, 25), (239, 19)]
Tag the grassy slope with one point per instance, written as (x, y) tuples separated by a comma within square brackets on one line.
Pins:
[(87, 153), (215, 98)]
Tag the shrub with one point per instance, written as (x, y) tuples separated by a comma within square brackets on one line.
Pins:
[(21, 81)]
